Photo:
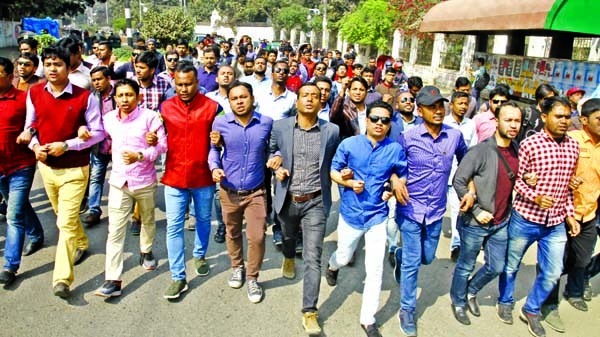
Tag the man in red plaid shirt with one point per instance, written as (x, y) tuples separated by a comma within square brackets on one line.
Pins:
[(540, 211)]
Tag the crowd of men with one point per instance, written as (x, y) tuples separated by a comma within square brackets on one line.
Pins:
[(261, 135)]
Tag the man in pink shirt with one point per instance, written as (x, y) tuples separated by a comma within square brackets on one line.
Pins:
[(133, 179), (485, 122)]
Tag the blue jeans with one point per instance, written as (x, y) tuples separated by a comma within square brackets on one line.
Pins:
[(176, 202), (551, 248), (98, 164), (21, 217), (218, 208), (419, 243), (495, 241)]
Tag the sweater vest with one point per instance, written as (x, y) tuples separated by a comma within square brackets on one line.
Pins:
[(58, 119)]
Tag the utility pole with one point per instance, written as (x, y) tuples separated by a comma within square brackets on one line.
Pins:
[(325, 42), (128, 23)]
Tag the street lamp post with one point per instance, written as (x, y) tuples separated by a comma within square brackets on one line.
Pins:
[(325, 42)]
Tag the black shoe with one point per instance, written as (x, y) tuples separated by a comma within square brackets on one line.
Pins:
[(371, 330), (91, 219), (504, 313), (398, 257), (460, 313), (84, 207), (79, 254), (136, 227), (454, 254), (534, 323), (473, 305), (3, 208), (109, 289), (220, 234), (331, 276), (392, 258), (278, 238), (7, 277), (33, 247), (62, 290)]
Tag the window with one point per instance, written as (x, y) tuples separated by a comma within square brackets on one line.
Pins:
[(452, 55), (581, 48), (404, 50), (425, 51)]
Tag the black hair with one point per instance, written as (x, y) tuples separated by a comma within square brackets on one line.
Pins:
[(9, 67), (70, 44), (461, 82), (359, 79), (212, 49), (272, 51), (31, 57), (506, 105), (248, 59), (415, 81), (481, 60), (341, 65), (380, 104), (549, 103), (236, 84), (368, 70), (321, 62), (128, 82), (323, 79), (589, 107), (544, 90), (186, 66), (309, 84), (458, 94), (171, 52), (104, 70), (148, 58), (501, 91), (390, 70), (31, 42), (181, 42), (56, 52), (105, 43), (357, 66), (140, 40)]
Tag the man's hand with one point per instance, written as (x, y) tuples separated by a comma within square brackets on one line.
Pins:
[(218, 175), (466, 202), (400, 191), (41, 152), (387, 98), (530, 179), (129, 157), (24, 138), (215, 138), (56, 149), (83, 133), (358, 186), (484, 217), (281, 174), (574, 182), (345, 84), (113, 59), (387, 192), (347, 173), (275, 162), (573, 226), (152, 138), (544, 201)]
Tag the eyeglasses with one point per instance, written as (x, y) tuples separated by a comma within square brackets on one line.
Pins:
[(25, 64), (406, 99), (172, 59), (384, 120), (499, 101), (320, 69), (135, 54), (281, 70)]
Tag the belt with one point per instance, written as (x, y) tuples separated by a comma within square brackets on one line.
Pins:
[(306, 197), (242, 193)]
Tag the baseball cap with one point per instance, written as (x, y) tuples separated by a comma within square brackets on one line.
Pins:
[(429, 95), (574, 90), (398, 65)]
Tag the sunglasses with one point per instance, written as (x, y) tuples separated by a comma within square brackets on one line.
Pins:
[(406, 99), (281, 70), (499, 101), (384, 120), (320, 68), (26, 64), (172, 59), (135, 54)]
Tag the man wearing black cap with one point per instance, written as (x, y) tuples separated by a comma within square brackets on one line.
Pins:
[(430, 148)]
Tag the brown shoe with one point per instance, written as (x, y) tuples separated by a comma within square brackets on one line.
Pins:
[(311, 324), (92, 219), (190, 225), (288, 269)]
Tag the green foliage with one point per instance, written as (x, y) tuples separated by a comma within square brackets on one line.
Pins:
[(45, 40), (291, 17), (337, 9), (123, 53), (40, 9), (119, 24), (168, 25), (201, 10), (371, 23)]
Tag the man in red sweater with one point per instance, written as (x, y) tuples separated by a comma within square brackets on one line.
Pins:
[(55, 111)]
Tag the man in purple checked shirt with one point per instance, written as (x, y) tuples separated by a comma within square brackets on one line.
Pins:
[(430, 148)]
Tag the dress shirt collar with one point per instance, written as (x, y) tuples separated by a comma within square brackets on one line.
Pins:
[(133, 115), (68, 89), (10, 94), (230, 118)]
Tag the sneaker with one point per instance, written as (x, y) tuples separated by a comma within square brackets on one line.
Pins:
[(578, 303), (109, 289), (136, 227), (190, 225), (331, 276), (148, 261), (220, 234), (201, 266), (454, 254), (288, 268), (61, 290), (278, 238), (552, 318), (504, 313), (236, 280), (310, 323), (398, 264), (371, 330), (408, 323), (91, 219), (175, 289), (534, 323), (255, 291), (587, 291)]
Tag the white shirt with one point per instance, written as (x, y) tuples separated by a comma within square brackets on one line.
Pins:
[(81, 77), (469, 132), (362, 121), (277, 108), (222, 100)]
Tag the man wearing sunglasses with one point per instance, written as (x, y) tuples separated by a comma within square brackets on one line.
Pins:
[(364, 211), (405, 106), (172, 58), (27, 65), (485, 122), (127, 70)]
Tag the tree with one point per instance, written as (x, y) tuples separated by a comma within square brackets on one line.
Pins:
[(411, 13), (55, 8), (168, 25), (291, 17), (371, 23)]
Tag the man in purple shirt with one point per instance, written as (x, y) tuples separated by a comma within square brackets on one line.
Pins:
[(430, 148), (242, 138), (133, 179), (207, 75)]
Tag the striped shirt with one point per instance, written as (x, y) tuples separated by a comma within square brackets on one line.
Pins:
[(305, 176), (554, 164)]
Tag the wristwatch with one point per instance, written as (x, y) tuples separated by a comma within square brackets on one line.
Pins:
[(140, 156), (32, 131), (65, 146)]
